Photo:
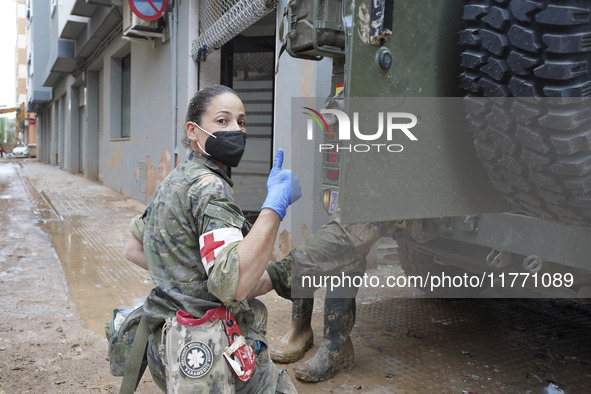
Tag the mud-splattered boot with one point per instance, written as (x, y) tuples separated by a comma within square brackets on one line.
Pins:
[(300, 337), (336, 351)]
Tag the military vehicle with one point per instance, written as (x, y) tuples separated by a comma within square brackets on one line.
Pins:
[(498, 179)]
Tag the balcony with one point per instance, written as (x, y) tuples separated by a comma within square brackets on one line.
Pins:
[(102, 22), (107, 3), (73, 27), (36, 98), (61, 61), (83, 8), (88, 7)]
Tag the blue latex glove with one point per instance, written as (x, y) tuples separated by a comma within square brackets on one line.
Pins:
[(283, 187)]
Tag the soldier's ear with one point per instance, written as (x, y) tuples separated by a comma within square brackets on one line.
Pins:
[(191, 130)]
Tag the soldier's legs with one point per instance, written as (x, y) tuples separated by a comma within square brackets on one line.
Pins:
[(336, 351), (334, 248), (300, 336), (328, 250)]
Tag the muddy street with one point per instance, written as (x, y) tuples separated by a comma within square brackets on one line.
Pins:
[(45, 344), (62, 271)]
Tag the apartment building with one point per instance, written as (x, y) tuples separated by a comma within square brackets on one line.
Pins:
[(110, 89), (20, 69), (25, 121)]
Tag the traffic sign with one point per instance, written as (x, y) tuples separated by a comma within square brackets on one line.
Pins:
[(148, 10)]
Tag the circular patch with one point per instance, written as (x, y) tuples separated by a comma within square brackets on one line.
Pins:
[(196, 359)]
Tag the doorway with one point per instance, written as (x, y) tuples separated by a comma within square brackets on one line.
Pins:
[(248, 64)]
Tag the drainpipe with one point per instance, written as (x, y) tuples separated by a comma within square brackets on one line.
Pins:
[(175, 78)]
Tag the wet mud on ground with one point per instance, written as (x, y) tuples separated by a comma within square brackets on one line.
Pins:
[(44, 344), (62, 271)]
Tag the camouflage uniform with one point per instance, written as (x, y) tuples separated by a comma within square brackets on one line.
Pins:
[(195, 198), (334, 249)]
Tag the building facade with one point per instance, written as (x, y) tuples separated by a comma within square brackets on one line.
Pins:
[(110, 90), (25, 132)]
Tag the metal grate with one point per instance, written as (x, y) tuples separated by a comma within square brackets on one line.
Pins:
[(221, 20)]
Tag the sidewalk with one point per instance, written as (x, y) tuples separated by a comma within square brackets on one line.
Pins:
[(89, 227)]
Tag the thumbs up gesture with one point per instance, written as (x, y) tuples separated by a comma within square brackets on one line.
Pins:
[(283, 187)]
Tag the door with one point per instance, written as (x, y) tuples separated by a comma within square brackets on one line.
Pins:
[(248, 65)]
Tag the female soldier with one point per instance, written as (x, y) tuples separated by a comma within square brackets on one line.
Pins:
[(199, 248)]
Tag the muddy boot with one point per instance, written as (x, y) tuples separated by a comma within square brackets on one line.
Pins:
[(336, 351), (300, 337)]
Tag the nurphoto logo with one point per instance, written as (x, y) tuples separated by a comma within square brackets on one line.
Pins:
[(393, 124)]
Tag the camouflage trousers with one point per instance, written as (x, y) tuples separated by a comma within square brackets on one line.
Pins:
[(334, 249), (266, 379)]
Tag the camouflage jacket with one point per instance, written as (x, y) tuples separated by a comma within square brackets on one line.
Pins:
[(194, 199)]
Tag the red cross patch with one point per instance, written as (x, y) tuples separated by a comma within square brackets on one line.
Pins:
[(213, 242)]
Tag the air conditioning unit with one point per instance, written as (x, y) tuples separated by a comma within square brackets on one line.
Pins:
[(134, 27)]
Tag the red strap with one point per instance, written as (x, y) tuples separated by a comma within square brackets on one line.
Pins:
[(187, 319), (244, 355)]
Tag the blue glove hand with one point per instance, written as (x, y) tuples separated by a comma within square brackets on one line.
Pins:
[(283, 187)]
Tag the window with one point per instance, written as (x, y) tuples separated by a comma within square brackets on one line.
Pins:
[(119, 97), (125, 96)]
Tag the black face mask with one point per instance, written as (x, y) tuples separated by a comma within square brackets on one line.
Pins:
[(227, 147)]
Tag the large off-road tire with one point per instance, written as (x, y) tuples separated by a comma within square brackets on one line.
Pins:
[(536, 151)]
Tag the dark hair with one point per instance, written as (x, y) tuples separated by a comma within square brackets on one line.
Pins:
[(199, 103)]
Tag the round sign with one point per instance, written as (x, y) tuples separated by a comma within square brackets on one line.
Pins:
[(148, 10)]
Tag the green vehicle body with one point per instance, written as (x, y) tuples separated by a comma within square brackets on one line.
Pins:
[(440, 196)]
